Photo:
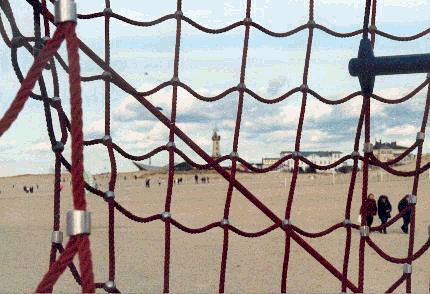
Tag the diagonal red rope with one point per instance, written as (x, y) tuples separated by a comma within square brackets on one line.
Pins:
[(30, 80)]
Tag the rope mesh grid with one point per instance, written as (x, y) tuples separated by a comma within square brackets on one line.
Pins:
[(45, 49)]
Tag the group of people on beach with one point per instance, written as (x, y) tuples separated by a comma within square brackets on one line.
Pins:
[(175, 181), (369, 209), (29, 189), (203, 179)]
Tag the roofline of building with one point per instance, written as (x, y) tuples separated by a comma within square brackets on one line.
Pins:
[(337, 152)]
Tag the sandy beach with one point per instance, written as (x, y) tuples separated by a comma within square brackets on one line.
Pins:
[(254, 264)]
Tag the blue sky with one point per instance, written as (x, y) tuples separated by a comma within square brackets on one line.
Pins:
[(210, 64)]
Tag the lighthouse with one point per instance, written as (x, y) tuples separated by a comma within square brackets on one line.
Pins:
[(215, 144)]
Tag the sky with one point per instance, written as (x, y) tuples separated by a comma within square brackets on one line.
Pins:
[(210, 64)]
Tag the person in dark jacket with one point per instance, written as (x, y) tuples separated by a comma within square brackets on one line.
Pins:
[(369, 209), (404, 202), (384, 209)]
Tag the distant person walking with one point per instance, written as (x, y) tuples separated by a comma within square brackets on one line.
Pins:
[(196, 178), (369, 209), (403, 203), (384, 209)]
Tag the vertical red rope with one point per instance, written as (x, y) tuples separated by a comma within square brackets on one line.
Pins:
[(373, 23), (171, 150), (415, 192), (113, 177), (366, 106), (76, 120), (111, 241), (45, 18), (366, 102), (241, 89), (78, 184), (297, 145), (349, 202)]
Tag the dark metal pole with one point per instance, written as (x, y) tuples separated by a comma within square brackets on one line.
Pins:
[(367, 66), (390, 65)]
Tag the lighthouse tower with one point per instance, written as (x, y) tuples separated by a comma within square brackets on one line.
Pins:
[(215, 144)]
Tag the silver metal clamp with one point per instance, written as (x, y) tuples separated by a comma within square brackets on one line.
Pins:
[(106, 139), (109, 285), (65, 10), (368, 148), (346, 222), (407, 268), (412, 199), (109, 195), (78, 222), (165, 215), (170, 145), (234, 155), (224, 222), (285, 222), (57, 237), (420, 136), (364, 231)]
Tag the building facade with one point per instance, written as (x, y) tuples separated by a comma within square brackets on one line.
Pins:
[(266, 162), (316, 157), (389, 151)]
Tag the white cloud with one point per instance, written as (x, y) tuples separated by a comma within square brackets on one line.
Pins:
[(314, 135), (157, 134), (404, 3), (132, 137), (352, 108), (405, 143), (277, 135), (228, 124), (401, 130), (7, 145), (392, 93), (131, 109), (41, 147), (315, 110), (197, 13), (96, 126)]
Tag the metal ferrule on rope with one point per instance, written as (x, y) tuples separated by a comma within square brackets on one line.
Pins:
[(78, 222), (65, 10)]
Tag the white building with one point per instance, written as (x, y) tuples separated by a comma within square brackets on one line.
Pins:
[(316, 157), (266, 162)]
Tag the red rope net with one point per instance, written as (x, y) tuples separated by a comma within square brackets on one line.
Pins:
[(45, 51)]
